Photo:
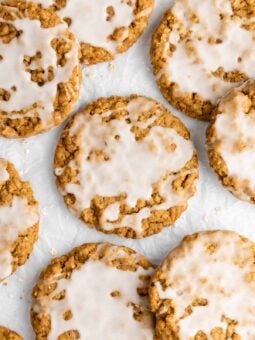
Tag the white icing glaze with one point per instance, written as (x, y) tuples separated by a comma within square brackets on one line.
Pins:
[(218, 278), (133, 166), (233, 128), (33, 38), (89, 20), (96, 314), (4, 175), (15, 218), (192, 71)]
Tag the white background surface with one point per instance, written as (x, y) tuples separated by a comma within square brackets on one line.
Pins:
[(211, 208)]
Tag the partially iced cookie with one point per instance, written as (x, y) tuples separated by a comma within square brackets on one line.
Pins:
[(104, 28), (126, 166), (205, 289), (201, 50), (19, 219), (231, 141), (97, 291), (39, 67)]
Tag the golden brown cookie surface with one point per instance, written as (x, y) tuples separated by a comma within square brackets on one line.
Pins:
[(104, 28), (94, 282), (202, 50), (201, 289), (7, 334), (39, 66), (126, 166), (19, 220), (231, 141)]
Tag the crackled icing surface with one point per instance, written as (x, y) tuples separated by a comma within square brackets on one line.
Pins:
[(27, 97), (101, 299), (15, 218), (217, 269), (207, 40), (104, 16), (234, 139), (113, 163)]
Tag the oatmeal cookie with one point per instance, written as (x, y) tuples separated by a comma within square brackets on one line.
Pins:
[(7, 334), (205, 289), (201, 50), (231, 141), (126, 166), (97, 291), (39, 67), (104, 28), (19, 220)]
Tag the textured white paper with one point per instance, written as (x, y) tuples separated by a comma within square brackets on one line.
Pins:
[(211, 208)]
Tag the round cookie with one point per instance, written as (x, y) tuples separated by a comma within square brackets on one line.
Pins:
[(104, 28), (231, 141), (201, 50), (39, 67), (94, 282), (205, 289), (7, 334), (126, 166), (19, 220)]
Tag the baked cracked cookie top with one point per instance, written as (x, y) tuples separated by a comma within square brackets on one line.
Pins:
[(7, 334), (104, 28), (126, 166), (19, 219), (39, 67), (201, 50), (205, 289), (97, 291), (231, 141)]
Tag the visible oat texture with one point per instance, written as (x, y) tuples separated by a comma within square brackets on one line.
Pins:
[(19, 220), (86, 285), (205, 289), (104, 28), (39, 66), (7, 334), (126, 166), (201, 50), (231, 141)]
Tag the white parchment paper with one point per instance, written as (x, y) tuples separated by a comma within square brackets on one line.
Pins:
[(211, 208)]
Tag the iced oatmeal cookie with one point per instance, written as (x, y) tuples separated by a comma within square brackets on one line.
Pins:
[(39, 67), (231, 141), (126, 166), (201, 50), (104, 28), (19, 219), (205, 289), (7, 334), (97, 291)]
